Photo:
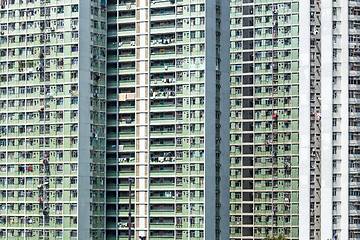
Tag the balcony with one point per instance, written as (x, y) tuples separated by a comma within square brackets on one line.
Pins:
[(166, 133), (162, 146), (165, 185), (162, 225)]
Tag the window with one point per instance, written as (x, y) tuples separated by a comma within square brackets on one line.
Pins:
[(58, 220), (59, 88), (73, 193), (73, 207), (74, 48), (60, 36), (334, 192), (74, 74), (334, 151), (334, 136), (60, 9), (334, 122), (60, 23), (74, 61), (60, 49), (74, 8), (59, 167), (59, 193), (74, 100), (75, 35), (73, 180), (59, 233), (74, 22), (59, 101)]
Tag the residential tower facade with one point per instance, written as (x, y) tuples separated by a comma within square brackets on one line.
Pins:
[(52, 118), (167, 119), (294, 140), (264, 119)]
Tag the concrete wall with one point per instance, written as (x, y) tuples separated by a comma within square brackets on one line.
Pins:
[(84, 122)]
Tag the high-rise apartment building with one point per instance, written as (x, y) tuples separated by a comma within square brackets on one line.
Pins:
[(264, 119), (328, 125), (52, 119), (160, 85), (294, 123), (208, 119), (167, 115)]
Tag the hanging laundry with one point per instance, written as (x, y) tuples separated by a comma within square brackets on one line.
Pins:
[(318, 115)]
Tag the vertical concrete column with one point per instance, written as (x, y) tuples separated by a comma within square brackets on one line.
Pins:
[(326, 120), (142, 118), (304, 127)]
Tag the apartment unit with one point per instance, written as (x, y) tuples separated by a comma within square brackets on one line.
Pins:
[(52, 119), (167, 119)]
